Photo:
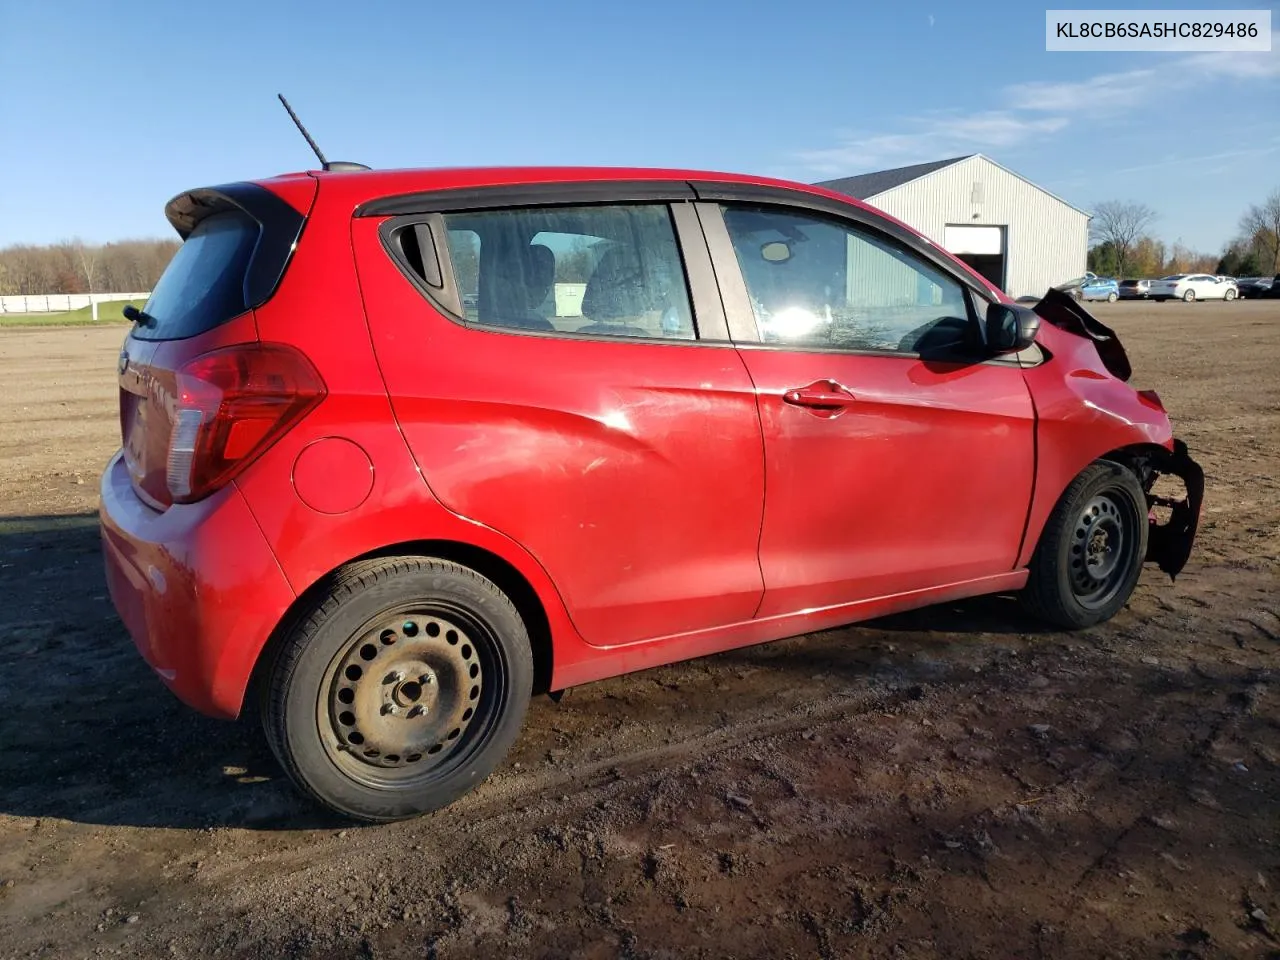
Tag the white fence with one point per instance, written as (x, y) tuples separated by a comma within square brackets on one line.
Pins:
[(60, 302)]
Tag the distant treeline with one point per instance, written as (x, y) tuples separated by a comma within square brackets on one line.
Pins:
[(75, 267)]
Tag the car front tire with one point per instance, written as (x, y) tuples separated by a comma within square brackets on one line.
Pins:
[(399, 688), (1229, 296), (1091, 551), (1112, 297)]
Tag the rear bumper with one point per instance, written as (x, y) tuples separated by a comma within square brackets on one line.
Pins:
[(197, 586)]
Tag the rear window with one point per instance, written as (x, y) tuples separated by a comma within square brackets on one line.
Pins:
[(204, 284)]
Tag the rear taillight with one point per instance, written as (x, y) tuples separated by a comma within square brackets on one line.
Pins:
[(230, 405)]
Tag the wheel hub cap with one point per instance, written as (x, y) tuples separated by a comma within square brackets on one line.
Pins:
[(405, 691), (1100, 548)]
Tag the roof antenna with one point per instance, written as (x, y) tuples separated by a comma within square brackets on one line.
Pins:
[(324, 164)]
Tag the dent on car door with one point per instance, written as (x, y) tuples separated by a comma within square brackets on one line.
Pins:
[(553, 388), (895, 459)]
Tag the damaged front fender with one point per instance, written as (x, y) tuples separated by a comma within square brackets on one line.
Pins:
[(1169, 543)]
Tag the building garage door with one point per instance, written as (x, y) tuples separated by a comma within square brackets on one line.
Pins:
[(982, 248)]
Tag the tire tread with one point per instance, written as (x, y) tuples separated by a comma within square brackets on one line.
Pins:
[(1043, 596), (344, 585)]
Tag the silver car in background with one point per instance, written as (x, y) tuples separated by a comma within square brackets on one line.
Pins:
[(1135, 289), (1193, 286)]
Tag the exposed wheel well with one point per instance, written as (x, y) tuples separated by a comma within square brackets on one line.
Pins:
[(1137, 458), (506, 577)]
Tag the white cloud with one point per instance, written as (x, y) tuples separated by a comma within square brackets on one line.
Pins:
[(1107, 90), (1178, 161), (1116, 92), (929, 138), (1037, 109), (1245, 66)]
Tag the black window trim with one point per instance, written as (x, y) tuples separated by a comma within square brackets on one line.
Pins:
[(740, 315), (587, 192), (673, 192), (558, 194), (709, 326), (280, 228)]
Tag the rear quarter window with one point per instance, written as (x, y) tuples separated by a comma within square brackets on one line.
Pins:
[(204, 284)]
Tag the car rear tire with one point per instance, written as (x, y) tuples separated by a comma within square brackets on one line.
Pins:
[(1189, 296), (399, 688), (1091, 551), (1112, 297)]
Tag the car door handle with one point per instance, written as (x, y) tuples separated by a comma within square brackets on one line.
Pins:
[(822, 395)]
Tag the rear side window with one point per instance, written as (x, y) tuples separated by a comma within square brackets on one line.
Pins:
[(597, 270), (204, 284)]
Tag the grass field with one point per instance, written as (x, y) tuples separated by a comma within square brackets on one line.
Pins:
[(108, 313)]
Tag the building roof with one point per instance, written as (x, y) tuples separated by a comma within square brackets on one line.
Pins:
[(869, 185), (872, 184)]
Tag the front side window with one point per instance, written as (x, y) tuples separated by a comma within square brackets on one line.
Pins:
[(823, 283), (598, 270)]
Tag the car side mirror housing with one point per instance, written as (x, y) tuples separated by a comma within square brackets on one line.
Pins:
[(1010, 327)]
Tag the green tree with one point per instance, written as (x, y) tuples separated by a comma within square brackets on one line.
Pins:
[(1239, 261), (1102, 259)]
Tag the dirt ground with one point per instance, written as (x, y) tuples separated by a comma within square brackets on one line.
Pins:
[(955, 782)]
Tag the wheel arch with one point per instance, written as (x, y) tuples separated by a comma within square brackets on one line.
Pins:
[(1135, 457), (490, 565)]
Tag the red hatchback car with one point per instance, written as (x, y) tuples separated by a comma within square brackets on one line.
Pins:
[(401, 448)]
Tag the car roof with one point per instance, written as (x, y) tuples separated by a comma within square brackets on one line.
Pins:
[(361, 186)]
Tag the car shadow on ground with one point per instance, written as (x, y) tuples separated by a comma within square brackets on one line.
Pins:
[(91, 735)]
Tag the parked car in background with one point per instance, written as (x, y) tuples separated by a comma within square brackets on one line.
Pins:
[(1135, 289), (392, 488), (1272, 292), (1193, 286), (1099, 288), (1254, 288)]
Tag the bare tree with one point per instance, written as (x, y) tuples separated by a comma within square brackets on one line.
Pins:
[(1261, 225), (126, 266), (1121, 225), (88, 258)]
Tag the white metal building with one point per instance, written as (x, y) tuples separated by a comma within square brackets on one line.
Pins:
[(1018, 235)]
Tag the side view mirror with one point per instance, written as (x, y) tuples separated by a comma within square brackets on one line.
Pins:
[(1010, 328)]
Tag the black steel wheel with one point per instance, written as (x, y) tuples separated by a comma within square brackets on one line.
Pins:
[(400, 689), (1091, 551)]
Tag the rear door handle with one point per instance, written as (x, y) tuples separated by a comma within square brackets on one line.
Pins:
[(821, 395)]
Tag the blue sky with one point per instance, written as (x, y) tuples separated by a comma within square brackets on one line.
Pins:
[(126, 103)]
